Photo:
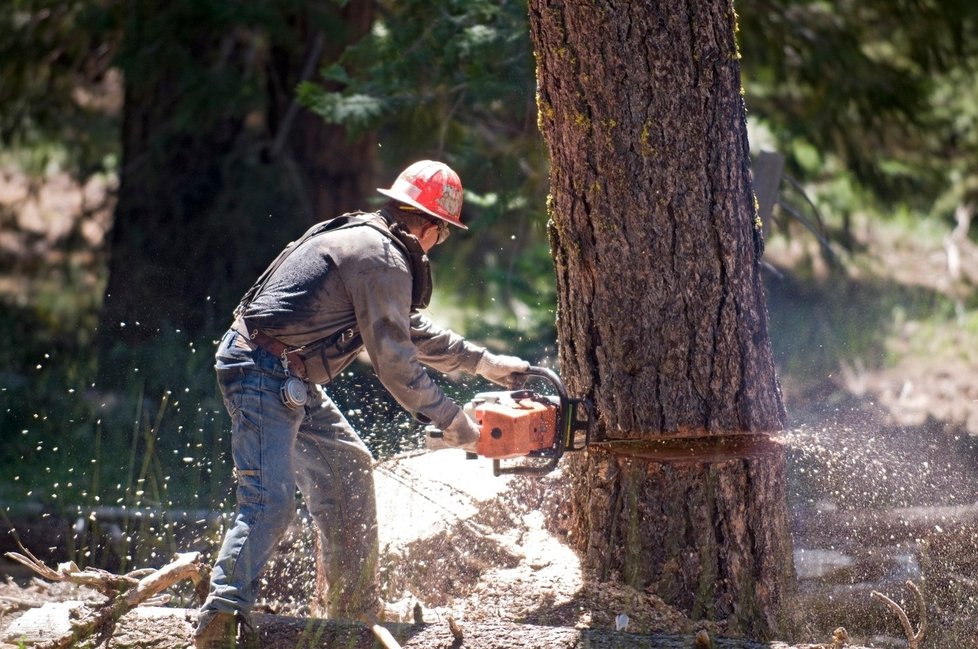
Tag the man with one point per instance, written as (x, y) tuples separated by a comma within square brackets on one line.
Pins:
[(353, 283)]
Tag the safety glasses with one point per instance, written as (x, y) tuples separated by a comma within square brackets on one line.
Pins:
[(444, 231)]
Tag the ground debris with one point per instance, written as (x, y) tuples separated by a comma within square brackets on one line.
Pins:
[(914, 638), (60, 625)]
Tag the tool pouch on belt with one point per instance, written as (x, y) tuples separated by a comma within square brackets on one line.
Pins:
[(335, 352)]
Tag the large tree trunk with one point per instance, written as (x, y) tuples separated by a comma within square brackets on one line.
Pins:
[(220, 166), (662, 320)]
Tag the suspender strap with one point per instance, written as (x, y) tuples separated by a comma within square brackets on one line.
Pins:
[(417, 259), (319, 228)]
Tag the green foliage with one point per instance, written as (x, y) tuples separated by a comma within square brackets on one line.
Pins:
[(55, 70), (355, 111), (872, 84), (435, 61), (955, 105)]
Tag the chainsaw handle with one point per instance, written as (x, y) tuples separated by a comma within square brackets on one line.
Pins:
[(576, 413), (551, 377)]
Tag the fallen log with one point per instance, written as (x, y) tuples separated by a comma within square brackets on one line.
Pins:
[(82, 621), (171, 628)]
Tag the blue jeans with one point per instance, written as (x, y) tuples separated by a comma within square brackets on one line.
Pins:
[(275, 449)]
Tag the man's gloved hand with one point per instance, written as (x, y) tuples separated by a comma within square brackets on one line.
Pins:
[(461, 433), (504, 370)]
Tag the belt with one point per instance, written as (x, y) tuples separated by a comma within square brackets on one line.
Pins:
[(275, 347)]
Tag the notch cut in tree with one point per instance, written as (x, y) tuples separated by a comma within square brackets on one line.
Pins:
[(662, 321)]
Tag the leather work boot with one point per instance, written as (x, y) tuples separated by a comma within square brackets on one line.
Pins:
[(220, 632)]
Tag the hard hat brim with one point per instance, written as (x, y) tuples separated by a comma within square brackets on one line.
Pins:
[(404, 198)]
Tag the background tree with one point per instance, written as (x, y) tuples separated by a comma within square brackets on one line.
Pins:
[(220, 165), (662, 319), (56, 66)]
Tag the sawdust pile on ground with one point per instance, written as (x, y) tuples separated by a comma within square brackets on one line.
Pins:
[(461, 542)]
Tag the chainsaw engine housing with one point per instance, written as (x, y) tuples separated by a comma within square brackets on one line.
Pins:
[(530, 428), (515, 424)]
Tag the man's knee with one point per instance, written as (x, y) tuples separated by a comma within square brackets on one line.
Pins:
[(281, 510)]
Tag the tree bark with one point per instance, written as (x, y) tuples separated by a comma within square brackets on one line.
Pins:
[(662, 320), (220, 166)]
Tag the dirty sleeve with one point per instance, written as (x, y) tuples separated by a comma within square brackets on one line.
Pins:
[(443, 349), (381, 295)]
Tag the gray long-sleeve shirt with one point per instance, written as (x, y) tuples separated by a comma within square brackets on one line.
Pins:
[(356, 278)]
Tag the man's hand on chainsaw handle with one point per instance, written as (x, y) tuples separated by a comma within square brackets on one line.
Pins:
[(506, 371), (461, 433)]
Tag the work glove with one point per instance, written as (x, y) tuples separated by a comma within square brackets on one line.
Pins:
[(461, 433), (506, 371)]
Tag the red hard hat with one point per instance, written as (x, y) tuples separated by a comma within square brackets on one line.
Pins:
[(431, 187)]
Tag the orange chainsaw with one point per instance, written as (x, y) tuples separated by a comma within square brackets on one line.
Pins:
[(528, 424)]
